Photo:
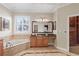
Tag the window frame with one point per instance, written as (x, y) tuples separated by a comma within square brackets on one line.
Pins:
[(15, 25)]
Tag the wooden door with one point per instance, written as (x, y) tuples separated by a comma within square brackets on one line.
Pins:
[(33, 41), (73, 30), (45, 41), (78, 29), (1, 47)]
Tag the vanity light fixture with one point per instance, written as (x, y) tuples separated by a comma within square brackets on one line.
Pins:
[(42, 20)]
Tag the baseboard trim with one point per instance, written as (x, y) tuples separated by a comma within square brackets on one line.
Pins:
[(62, 49)]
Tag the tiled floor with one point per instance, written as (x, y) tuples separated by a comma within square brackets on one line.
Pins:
[(42, 51), (74, 49)]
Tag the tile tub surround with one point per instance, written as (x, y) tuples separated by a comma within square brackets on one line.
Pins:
[(14, 42), (17, 43), (16, 39), (16, 49), (11, 47)]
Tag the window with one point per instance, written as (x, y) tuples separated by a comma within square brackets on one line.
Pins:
[(22, 23)]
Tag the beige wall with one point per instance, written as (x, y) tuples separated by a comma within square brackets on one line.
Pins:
[(5, 13), (62, 25)]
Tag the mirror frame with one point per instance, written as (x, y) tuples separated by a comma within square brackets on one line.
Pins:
[(43, 32)]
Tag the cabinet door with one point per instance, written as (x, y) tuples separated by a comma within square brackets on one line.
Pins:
[(39, 41), (33, 42), (1, 47), (45, 41)]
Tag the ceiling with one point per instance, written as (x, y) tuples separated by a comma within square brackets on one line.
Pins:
[(33, 7)]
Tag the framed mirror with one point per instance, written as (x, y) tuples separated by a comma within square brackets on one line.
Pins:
[(42, 27)]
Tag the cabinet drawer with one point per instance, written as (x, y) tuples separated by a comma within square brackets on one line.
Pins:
[(45, 42), (39, 37), (45, 37)]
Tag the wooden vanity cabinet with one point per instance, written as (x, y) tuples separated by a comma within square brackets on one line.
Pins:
[(1, 47), (33, 41), (39, 41)]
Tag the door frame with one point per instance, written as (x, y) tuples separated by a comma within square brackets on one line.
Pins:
[(68, 29)]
